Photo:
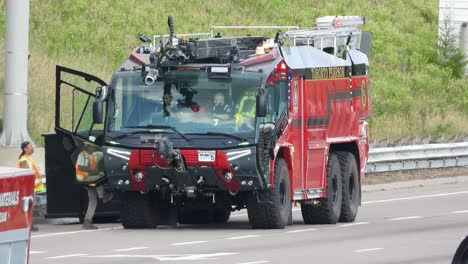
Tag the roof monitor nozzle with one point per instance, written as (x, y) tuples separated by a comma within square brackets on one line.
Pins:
[(151, 76), (145, 39)]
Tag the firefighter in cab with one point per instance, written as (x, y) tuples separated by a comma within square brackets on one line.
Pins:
[(25, 161)]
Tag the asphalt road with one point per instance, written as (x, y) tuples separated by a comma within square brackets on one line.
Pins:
[(422, 224)]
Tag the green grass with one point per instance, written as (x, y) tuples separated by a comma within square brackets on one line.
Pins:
[(411, 93)]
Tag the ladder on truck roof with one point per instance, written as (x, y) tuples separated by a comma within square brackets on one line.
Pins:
[(330, 33)]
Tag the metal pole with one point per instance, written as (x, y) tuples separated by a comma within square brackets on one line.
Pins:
[(15, 94)]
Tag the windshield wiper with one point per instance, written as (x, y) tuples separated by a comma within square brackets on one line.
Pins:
[(220, 134), (148, 127)]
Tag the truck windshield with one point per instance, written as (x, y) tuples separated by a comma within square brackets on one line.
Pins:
[(189, 101)]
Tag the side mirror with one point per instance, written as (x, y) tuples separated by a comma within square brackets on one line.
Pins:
[(261, 103), (101, 96), (97, 112)]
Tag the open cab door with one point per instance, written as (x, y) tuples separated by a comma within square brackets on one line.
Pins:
[(74, 154)]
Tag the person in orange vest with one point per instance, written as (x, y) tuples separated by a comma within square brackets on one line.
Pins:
[(25, 161), (88, 169)]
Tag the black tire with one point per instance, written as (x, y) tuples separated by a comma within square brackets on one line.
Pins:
[(290, 218), (139, 211), (351, 190), (275, 206), (328, 210), (461, 255), (221, 215)]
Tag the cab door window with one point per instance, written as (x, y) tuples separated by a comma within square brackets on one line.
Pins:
[(277, 101)]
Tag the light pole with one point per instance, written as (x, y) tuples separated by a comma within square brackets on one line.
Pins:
[(15, 94)]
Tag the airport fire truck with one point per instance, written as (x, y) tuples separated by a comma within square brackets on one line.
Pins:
[(195, 126)]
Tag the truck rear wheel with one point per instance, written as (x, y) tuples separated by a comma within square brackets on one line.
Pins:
[(139, 211), (351, 193), (328, 210), (272, 208)]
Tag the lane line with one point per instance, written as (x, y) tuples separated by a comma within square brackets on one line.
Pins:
[(129, 249), (189, 243), (37, 252), (459, 212), (405, 218), (354, 224), (367, 250), (75, 232), (241, 237), (256, 262), (301, 230), (415, 197), (68, 256)]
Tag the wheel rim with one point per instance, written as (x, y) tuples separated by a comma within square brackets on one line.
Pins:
[(282, 194)]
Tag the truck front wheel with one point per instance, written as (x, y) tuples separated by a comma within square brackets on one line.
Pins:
[(328, 210), (139, 211), (271, 208)]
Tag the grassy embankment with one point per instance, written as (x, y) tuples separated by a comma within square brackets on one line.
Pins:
[(411, 94)]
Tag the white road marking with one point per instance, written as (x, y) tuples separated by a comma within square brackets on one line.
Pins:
[(241, 237), (169, 257), (37, 252), (367, 250), (301, 230), (354, 224), (189, 243), (129, 249), (405, 218), (256, 262), (415, 197), (75, 232), (68, 256), (459, 212)]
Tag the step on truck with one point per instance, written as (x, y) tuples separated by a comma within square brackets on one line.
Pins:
[(195, 126)]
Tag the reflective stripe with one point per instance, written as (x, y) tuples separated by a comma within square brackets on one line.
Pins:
[(38, 185), (82, 175)]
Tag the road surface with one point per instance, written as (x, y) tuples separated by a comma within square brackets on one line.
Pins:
[(422, 224)]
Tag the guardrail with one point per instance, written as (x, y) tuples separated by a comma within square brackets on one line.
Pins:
[(426, 156)]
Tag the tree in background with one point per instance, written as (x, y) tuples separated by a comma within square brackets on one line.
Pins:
[(451, 57)]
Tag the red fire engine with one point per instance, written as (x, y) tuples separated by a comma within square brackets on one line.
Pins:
[(291, 127), (16, 202)]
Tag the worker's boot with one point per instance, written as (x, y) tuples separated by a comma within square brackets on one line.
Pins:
[(34, 228), (88, 225)]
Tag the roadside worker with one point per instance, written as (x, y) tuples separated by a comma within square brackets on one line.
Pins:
[(220, 109), (88, 169), (25, 161)]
